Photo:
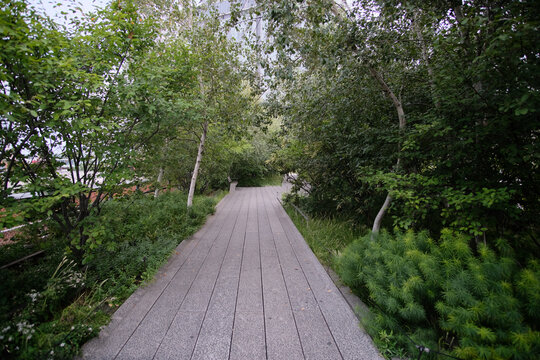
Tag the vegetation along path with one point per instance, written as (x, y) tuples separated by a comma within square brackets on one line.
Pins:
[(246, 286)]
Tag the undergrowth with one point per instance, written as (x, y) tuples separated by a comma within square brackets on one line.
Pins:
[(449, 294), (326, 237), (51, 305), (272, 179)]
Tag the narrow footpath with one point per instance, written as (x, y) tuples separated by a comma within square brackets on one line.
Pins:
[(246, 286)]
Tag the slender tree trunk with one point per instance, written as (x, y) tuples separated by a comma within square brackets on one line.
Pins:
[(378, 219), (397, 104), (197, 166), (159, 179), (402, 123)]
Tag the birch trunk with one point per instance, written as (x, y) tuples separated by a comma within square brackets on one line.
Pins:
[(402, 123), (380, 215), (197, 166), (159, 179)]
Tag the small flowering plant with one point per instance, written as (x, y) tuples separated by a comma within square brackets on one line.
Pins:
[(16, 336), (63, 284), (19, 335)]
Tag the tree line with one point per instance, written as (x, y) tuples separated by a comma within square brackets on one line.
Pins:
[(120, 98), (419, 120), (425, 112)]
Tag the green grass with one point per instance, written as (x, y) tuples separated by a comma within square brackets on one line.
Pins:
[(51, 305), (326, 237), (269, 180), (219, 195)]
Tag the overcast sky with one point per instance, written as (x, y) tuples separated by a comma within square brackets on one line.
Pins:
[(51, 7)]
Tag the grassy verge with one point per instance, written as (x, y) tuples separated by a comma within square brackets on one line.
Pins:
[(219, 195), (52, 304), (326, 237), (269, 180)]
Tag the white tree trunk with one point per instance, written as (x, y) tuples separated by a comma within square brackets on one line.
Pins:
[(380, 215), (159, 179), (392, 96), (402, 123), (197, 166)]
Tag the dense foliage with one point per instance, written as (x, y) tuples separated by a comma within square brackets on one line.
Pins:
[(51, 305), (56, 109), (106, 103), (476, 302), (251, 165), (450, 90)]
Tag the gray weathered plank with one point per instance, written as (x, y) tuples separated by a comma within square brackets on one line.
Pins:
[(246, 286)]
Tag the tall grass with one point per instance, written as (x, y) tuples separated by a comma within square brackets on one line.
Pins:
[(326, 237)]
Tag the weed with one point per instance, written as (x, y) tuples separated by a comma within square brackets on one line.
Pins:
[(50, 306), (326, 237)]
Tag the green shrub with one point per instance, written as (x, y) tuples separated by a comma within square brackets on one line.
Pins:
[(50, 306), (132, 237), (399, 274), (486, 303), (269, 179), (250, 164), (448, 295)]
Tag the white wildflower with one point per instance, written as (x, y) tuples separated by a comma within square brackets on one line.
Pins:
[(62, 344), (34, 295)]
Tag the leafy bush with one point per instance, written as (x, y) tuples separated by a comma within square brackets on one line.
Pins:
[(50, 306), (251, 162), (132, 237), (471, 300)]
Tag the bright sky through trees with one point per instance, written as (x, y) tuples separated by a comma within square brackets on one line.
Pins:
[(54, 8)]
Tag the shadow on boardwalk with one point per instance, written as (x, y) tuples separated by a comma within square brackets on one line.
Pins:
[(246, 286)]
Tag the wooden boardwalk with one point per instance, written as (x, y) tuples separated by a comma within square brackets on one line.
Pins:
[(246, 286)]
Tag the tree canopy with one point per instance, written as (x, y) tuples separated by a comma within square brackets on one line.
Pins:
[(434, 104), (107, 102), (419, 117)]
